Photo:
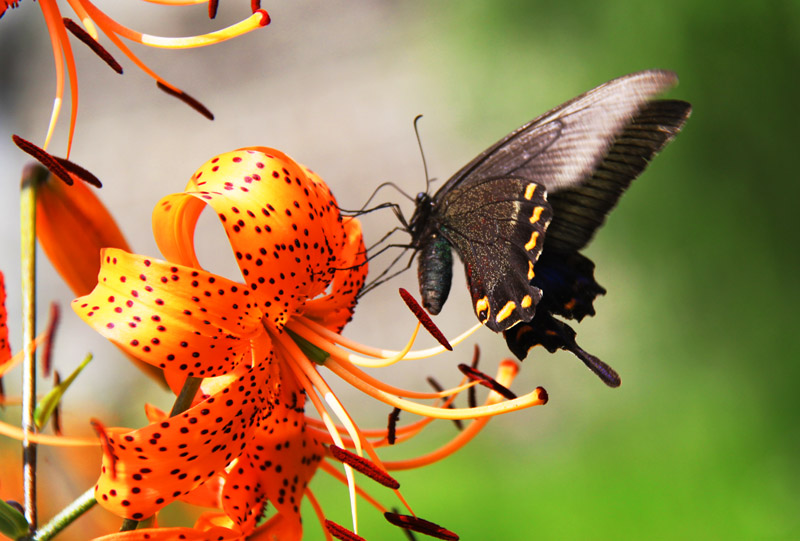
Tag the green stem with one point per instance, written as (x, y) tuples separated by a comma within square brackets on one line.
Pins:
[(32, 175), (66, 517), (184, 400), (128, 524)]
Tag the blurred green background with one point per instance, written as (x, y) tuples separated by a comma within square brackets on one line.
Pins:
[(700, 259)]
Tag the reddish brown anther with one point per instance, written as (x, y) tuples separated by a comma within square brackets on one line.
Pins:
[(424, 318), (43, 157), (212, 8), (56, 416), (340, 532), (79, 172), (255, 5), (472, 399), (92, 43), (105, 445), (364, 466), (47, 349), (391, 433), (187, 99), (487, 381), (438, 388), (421, 526)]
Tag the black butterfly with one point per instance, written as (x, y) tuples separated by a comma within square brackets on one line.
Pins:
[(518, 214)]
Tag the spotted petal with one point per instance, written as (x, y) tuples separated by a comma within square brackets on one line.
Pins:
[(171, 316), (5, 347), (280, 461), (283, 224), (335, 308), (150, 467)]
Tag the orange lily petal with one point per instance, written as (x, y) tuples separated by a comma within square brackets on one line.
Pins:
[(170, 534), (207, 494), (72, 226), (157, 464), (283, 225), (279, 462), (5, 347), (334, 309), (169, 315)]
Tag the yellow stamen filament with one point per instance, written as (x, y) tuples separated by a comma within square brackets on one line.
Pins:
[(310, 378), (254, 21), (505, 375), (58, 40), (16, 359), (177, 2), (531, 399), (381, 353), (46, 439), (402, 433), (378, 384)]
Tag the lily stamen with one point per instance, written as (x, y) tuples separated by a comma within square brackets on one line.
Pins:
[(335, 364), (340, 532), (362, 465), (391, 432), (329, 347), (534, 398), (91, 41), (424, 318), (505, 375), (476, 375), (420, 525), (330, 469), (435, 384), (17, 433), (310, 378), (384, 353)]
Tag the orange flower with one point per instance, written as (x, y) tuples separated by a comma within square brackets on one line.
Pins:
[(5, 347), (259, 344), (94, 18)]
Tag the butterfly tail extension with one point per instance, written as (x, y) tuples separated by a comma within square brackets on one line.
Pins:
[(553, 334)]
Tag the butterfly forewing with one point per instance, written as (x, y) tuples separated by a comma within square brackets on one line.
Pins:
[(580, 210), (497, 227), (560, 148)]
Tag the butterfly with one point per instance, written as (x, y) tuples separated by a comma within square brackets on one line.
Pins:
[(521, 211)]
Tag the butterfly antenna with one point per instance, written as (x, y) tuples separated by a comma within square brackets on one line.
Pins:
[(422, 154)]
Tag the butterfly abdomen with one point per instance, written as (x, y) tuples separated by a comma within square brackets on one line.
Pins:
[(435, 273)]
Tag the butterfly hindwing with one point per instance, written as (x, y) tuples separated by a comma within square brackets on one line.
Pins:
[(497, 226)]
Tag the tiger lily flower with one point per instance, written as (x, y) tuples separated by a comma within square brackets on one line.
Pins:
[(260, 345), (93, 19), (5, 347)]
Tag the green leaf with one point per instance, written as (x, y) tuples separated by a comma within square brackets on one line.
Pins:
[(12, 523), (314, 354), (48, 404)]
